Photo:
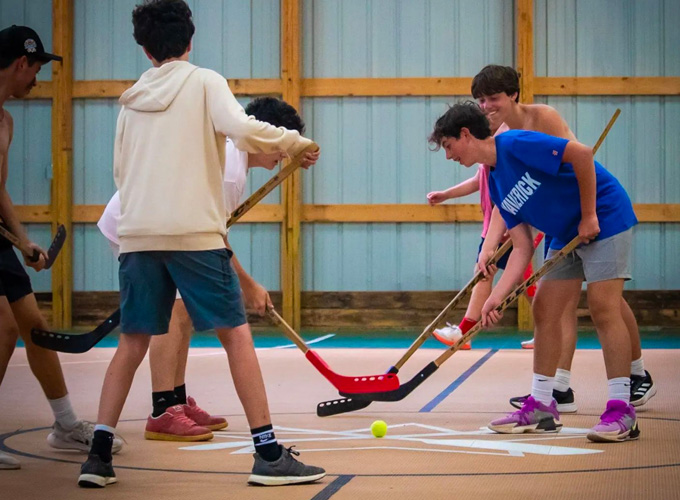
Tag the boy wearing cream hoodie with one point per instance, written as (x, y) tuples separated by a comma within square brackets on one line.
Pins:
[(168, 166)]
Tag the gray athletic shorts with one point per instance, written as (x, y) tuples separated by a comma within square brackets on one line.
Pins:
[(601, 260)]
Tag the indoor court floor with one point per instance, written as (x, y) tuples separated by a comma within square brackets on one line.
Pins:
[(437, 445)]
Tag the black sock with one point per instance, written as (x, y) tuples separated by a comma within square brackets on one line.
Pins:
[(266, 444), (102, 444), (181, 394), (162, 401)]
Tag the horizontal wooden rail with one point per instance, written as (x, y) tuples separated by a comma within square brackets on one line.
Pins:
[(607, 85), (88, 214), (646, 212), (385, 87)]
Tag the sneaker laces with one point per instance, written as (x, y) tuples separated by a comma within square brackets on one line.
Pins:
[(612, 414), (292, 451), (84, 432)]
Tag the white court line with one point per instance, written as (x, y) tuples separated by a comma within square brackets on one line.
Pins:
[(218, 353)]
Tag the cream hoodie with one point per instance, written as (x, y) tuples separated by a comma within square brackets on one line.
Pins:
[(168, 160)]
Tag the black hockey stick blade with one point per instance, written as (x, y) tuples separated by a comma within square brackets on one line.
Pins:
[(344, 405), (56, 245), (404, 389), (75, 344), (338, 406)]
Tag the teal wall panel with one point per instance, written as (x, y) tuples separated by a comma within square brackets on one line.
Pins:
[(607, 37), (36, 14), (30, 154), (236, 38), (405, 38)]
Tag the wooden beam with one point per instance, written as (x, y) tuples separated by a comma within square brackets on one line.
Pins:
[(392, 213), (270, 213), (525, 49), (339, 87), (291, 264), (608, 85), (43, 90), (92, 89), (62, 156)]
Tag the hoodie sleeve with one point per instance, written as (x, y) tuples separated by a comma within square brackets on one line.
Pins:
[(248, 134), (117, 149)]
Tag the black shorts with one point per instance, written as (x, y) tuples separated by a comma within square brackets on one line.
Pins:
[(14, 282)]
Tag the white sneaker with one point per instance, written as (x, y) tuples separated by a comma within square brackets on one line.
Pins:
[(449, 335), (528, 344), (78, 438), (8, 462)]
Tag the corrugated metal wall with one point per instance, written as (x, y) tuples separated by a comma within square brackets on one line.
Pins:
[(374, 149)]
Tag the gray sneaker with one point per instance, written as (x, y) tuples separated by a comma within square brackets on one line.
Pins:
[(8, 462), (78, 438), (285, 470), (95, 473)]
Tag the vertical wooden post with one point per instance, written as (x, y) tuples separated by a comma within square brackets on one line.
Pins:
[(291, 194), (62, 154), (525, 66)]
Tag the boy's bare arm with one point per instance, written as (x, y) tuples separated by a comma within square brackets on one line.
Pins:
[(493, 238), (581, 158), (523, 250), (465, 188)]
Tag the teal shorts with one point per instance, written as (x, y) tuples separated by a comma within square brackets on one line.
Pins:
[(206, 280)]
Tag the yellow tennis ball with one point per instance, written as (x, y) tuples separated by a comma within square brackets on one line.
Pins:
[(379, 428)]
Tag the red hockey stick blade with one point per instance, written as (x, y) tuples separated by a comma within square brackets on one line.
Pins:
[(353, 385)]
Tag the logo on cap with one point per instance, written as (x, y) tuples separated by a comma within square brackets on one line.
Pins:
[(30, 46)]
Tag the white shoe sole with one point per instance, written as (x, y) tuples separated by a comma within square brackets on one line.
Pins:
[(282, 480), (643, 400), (93, 481), (567, 408), (521, 429), (610, 437)]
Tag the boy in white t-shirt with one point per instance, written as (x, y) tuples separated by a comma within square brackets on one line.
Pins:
[(168, 353)]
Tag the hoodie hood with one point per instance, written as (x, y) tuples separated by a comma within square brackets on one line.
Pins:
[(157, 88)]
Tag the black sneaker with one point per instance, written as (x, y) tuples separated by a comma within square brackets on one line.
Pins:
[(285, 470), (95, 473), (565, 401), (642, 389)]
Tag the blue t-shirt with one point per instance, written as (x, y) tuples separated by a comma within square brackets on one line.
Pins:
[(531, 184)]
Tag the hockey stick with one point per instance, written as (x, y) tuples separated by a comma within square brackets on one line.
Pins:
[(56, 341), (344, 384), (34, 255), (344, 405), (408, 387)]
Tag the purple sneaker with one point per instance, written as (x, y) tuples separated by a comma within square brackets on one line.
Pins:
[(617, 423), (533, 417)]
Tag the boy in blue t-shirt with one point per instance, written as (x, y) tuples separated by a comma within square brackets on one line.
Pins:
[(554, 185)]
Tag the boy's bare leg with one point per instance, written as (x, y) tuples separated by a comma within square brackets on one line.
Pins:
[(118, 380), (569, 331), (547, 307), (633, 329), (9, 334), (480, 293), (168, 352), (604, 301), (44, 363), (245, 371)]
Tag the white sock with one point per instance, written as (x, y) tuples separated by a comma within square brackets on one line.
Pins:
[(541, 388), (637, 367), (619, 388), (562, 380), (102, 427), (63, 412)]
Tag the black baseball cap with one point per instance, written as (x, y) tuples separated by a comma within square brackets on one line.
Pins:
[(17, 41)]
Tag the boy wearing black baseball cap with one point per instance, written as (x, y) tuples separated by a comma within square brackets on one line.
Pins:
[(21, 56)]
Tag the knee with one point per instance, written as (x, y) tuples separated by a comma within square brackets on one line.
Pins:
[(602, 311), (134, 346)]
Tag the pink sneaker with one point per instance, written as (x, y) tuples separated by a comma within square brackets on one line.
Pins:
[(617, 423), (533, 417), (202, 417), (174, 425)]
